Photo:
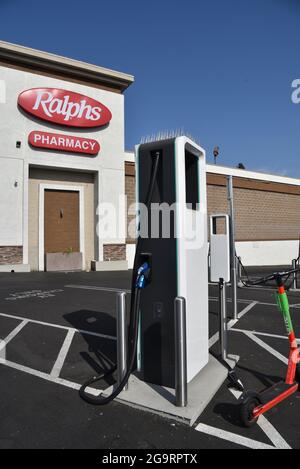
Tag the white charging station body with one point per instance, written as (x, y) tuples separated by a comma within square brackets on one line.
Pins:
[(180, 264)]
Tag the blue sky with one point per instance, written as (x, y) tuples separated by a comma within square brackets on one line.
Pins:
[(220, 69)]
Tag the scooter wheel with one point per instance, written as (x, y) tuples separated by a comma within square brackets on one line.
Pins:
[(249, 402)]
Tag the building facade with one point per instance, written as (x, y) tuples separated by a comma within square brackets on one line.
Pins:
[(62, 157)]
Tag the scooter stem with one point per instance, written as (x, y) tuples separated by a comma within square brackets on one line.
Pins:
[(294, 357)]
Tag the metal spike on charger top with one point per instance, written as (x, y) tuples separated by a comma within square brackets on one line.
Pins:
[(168, 134)]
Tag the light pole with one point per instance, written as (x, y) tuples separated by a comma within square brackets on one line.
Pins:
[(216, 153)]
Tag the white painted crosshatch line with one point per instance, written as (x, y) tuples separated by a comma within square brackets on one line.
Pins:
[(2, 350), (2, 92)]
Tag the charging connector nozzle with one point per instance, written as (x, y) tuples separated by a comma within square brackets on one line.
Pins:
[(142, 275)]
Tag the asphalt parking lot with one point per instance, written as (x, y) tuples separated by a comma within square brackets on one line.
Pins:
[(60, 329)]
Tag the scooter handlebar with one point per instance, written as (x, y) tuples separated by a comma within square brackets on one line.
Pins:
[(274, 276)]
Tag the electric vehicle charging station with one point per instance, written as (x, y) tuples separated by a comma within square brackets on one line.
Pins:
[(179, 261), (169, 369), (172, 241)]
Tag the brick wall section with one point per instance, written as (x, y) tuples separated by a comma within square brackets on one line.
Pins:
[(114, 252), (11, 255), (266, 216), (130, 194), (264, 211), (260, 215), (216, 199)]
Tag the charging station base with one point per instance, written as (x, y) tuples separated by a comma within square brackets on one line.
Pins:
[(159, 400)]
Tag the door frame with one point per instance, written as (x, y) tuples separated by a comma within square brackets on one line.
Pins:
[(59, 187)]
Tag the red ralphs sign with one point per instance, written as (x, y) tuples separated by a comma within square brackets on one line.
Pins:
[(64, 107), (64, 143)]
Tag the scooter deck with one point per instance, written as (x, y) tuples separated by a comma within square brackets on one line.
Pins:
[(276, 391)]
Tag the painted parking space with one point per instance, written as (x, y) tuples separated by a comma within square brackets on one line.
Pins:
[(59, 352), (35, 346), (224, 406), (77, 340)]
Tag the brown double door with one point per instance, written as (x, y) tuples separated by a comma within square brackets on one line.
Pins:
[(61, 223)]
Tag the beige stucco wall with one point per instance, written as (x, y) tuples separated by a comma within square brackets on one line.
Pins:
[(39, 176)]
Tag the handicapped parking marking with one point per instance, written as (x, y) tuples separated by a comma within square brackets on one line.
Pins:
[(33, 294)]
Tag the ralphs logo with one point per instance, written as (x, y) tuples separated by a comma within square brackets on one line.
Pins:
[(64, 107)]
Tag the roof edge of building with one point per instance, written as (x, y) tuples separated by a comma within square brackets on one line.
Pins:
[(244, 173), (26, 56)]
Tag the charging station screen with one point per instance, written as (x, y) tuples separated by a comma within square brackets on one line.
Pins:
[(191, 180)]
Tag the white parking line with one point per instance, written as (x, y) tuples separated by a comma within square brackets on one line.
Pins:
[(261, 303), (214, 339), (57, 326), (247, 309), (264, 334), (13, 334), (216, 298), (91, 287), (266, 347), (2, 349), (62, 355), (272, 434), (232, 437), (47, 377)]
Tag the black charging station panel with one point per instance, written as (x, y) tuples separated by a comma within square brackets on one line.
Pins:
[(157, 299)]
